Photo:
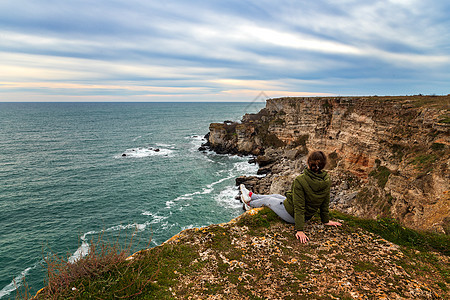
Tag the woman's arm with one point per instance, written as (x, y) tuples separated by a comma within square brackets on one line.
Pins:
[(332, 223), (298, 199), (300, 235)]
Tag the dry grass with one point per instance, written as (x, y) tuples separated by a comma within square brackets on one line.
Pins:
[(104, 256)]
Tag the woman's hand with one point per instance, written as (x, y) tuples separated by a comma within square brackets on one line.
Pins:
[(333, 223), (300, 235)]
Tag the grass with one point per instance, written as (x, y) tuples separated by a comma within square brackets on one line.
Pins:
[(393, 231), (382, 175), (444, 119), (364, 266), (260, 220), (104, 259), (437, 146)]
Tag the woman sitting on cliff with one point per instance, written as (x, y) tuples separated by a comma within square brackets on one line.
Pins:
[(309, 193)]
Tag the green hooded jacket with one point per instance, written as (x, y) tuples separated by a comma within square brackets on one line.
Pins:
[(309, 192)]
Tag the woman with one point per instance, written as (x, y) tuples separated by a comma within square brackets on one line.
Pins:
[(309, 193)]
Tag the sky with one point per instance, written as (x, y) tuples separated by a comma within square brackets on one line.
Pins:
[(173, 50)]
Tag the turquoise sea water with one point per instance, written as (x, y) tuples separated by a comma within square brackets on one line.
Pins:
[(64, 179)]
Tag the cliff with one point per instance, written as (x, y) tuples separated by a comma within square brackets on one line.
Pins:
[(256, 256), (388, 156)]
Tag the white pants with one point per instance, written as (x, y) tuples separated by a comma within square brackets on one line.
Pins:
[(274, 202)]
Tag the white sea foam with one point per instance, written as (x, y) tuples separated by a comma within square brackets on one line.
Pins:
[(156, 219), (169, 203), (196, 141), (227, 197), (205, 191), (190, 226), (169, 146), (16, 282), (245, 168), (145, 152), (83, 250), (136, 226)]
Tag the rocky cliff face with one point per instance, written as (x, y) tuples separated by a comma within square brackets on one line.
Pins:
[(388, 156)]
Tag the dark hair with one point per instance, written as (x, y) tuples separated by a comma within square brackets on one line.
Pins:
[(317, 161)]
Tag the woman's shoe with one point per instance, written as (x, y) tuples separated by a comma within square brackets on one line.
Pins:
[(245, 194)]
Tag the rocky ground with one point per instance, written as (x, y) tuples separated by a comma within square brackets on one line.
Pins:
[(257, 257)]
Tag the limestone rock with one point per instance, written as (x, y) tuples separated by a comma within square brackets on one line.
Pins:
[(393, 152)]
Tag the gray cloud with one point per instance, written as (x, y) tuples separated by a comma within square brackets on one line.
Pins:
[(221, 50)]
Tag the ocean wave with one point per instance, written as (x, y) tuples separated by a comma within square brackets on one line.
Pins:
[(156, 219), (190, 226), (227, 198), (244, 168), (196, 138), (196, 141), (208, 189), (17, 281), (145, 152), (83, 250), (170, 146)]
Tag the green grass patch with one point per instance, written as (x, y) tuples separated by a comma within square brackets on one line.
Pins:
[(263, 219), (363, 266), (424, 159), (437, 146), (444, 119), (415, 262), (279, 122), (393, 231), (424, 162), (382, 175), (443, 286)]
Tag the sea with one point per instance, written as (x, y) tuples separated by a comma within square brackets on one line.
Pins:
[(128, 173)]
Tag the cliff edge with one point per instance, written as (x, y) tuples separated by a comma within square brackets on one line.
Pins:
[(256, 256), (388, 156)]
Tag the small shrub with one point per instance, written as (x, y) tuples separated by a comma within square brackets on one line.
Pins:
[(301, 140), (273, 141), (437, 146), (424, 161), (279, 122), (398, 151), (444, 119), (103, 258), (382, 175)]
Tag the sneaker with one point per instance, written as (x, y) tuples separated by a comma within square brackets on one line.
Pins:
[(245, 194)]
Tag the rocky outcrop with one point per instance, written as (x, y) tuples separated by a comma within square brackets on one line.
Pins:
[(388, 156)]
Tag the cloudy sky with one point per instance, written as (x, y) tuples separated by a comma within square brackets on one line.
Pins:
[(148, 50)]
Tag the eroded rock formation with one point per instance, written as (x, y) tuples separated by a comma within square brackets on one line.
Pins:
[(388, 156)]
